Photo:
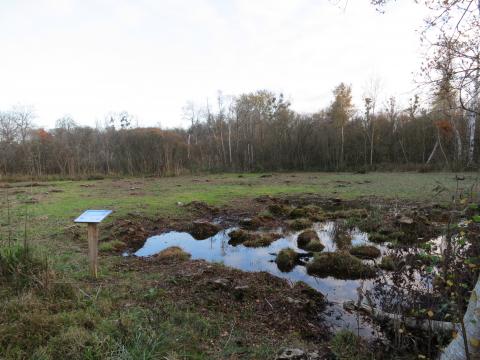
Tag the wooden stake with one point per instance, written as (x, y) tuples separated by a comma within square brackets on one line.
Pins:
[(93, 248)]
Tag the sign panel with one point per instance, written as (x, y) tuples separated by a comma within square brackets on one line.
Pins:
[(93, 216)]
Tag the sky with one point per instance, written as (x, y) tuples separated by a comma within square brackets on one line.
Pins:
[(86, 58)]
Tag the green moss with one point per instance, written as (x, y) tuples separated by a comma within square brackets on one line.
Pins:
[(341, 265), (262, 240), (286, 259), (365, 252)]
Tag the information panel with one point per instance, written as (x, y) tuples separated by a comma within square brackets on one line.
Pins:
[(93, 216)]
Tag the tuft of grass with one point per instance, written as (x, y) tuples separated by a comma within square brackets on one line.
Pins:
[(286, 259), (113, 245), (20, 267), (346, 345), (173, 253), (341, 265), (388, 263), (365, 252), (299, 224)]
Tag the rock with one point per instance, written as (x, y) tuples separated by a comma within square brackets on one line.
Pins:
[(405, 220), (221, 283), (179, 203), (202, 230), (291, 354)]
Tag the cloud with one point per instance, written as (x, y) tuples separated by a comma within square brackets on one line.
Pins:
[(149, 57)]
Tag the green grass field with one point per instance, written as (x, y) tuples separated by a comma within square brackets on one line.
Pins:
[(86, 321)]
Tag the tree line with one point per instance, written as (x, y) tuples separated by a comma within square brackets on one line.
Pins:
[(256, 131)]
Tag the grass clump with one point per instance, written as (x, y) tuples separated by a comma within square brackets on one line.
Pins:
[(365, 252), (298, 212), (19, 266), (278, 209), (309, 241), (111, 246), (173, 253), (299, 224), (346, 345), (341, 265), (286, 259), (261, 240), (378, 238), (388, 263), (238, 236)]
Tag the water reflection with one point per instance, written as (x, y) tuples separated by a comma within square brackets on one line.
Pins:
[(217, 249)]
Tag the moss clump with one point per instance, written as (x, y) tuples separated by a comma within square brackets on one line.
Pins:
[(298, 213), (278, 209), (299, 224), (238, 236), (365, 252), (341, 265), (202, 230), (262, 240), (377, 237), (314, 246), (173, 253), (346, 345), (110, 246), (286, 259), (343, 240), (396, 235), (388, 263), (348, 214), (309, 241)]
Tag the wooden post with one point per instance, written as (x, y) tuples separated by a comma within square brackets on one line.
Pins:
[(93, 248)]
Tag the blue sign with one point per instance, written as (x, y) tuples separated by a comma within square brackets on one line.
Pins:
[(93, 216)]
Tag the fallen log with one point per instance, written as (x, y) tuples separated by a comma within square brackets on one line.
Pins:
[(408, 322)]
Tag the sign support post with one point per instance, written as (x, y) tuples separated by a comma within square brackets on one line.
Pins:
[(92, 218)]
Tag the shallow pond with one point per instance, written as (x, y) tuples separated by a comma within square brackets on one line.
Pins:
[(217, 249)]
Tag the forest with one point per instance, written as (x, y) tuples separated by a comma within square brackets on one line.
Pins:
[(257, 131)]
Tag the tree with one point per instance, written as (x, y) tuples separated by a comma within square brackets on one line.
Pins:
[(341, 111)]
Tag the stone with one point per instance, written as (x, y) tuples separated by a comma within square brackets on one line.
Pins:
[(291, 354)]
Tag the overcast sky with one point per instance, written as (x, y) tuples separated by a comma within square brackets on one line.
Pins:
[(86, 58)]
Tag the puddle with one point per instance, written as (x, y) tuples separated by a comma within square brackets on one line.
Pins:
[(217, 249)]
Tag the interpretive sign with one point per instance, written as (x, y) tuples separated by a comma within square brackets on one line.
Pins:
[(92, 218)]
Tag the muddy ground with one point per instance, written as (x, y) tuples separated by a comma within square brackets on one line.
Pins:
[(262, 303)]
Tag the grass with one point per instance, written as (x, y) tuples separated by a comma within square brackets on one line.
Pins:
[(347, 346), (119, 315)]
